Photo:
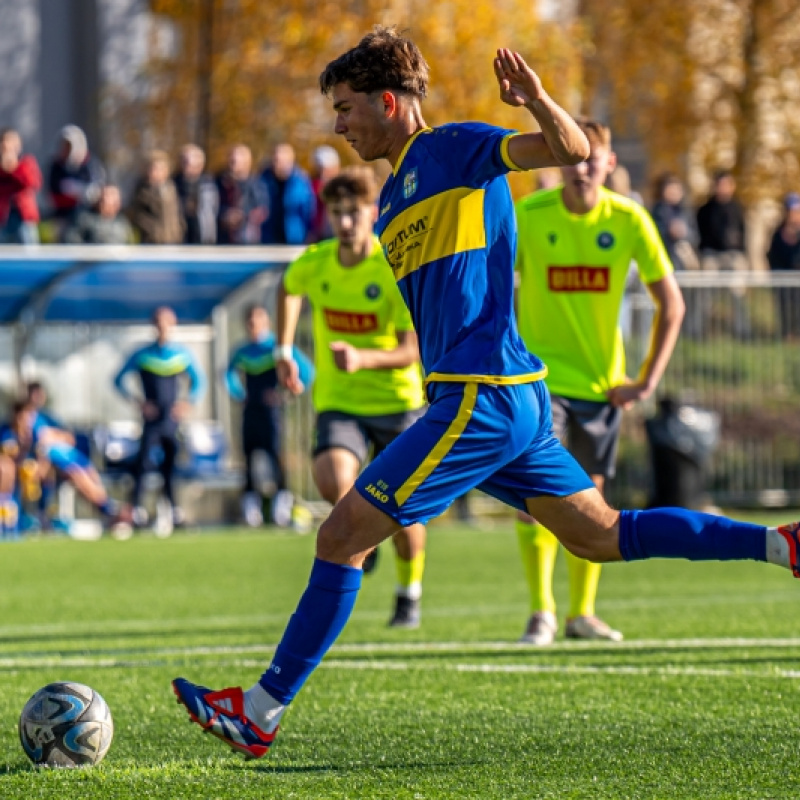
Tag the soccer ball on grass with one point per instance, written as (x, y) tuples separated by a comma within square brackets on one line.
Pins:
[(66, 725)]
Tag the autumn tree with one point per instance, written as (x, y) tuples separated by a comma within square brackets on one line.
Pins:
[(248, 70), (706, 84)]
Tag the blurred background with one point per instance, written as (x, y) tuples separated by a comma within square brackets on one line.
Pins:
[(101, 92)]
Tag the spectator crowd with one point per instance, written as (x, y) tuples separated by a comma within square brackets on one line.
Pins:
[(277, 203)]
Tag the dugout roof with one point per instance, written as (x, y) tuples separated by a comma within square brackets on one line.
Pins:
[(125, 284)]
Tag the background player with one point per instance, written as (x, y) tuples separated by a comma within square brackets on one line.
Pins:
[(252, 379), (447, 228), (576, 243), (369, 387), (60, 457), (161, 367)]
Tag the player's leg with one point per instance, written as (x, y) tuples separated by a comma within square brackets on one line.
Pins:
[(584, 577), (588, 528), (593, 438), (283, 500), (415, 478), (169, 445), (341, 447), (251, 500), (538, 549), (547, 481), (143, 463), (248, 721), (409, 542)]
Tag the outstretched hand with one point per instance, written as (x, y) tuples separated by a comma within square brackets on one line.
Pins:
[(519, 84)]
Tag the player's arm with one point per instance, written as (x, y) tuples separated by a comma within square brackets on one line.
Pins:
[(561, 141), (352, 359), (287, 314), (668, 300), (131, 365), (233, 380)]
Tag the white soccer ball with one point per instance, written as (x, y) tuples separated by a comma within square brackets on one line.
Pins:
[(66, 725)]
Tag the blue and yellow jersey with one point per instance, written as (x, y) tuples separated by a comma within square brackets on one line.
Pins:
[(448, 232)]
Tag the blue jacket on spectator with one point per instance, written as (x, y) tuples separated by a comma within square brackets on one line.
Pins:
[(292, 206)]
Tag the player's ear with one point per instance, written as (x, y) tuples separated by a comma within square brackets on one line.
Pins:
[(374, 213), (389, 100), (612, 161)]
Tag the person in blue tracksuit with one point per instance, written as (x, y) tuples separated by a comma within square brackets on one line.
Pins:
[(251, 379), (162, 367)]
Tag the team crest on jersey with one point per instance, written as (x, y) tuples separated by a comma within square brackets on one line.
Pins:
[(372, 291), (552, 238), (605, 240), (325, 287), (410, 183)]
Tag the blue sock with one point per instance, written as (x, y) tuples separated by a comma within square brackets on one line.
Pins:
[(678, 533), (321, 614)]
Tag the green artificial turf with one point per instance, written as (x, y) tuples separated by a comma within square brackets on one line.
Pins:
[(699, 701)]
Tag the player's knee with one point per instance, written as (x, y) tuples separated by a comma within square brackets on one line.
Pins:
[(600, 545), (335, 538)]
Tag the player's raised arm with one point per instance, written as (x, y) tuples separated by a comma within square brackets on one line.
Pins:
[(561, 141)]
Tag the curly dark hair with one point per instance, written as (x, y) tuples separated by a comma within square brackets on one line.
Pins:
[(383, 59), (357, 182)]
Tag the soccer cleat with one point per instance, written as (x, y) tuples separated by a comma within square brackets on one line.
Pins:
[(791, 533), (370, 562), (140, 517), (282, 505), (587, 627), (222, 715), (541, 629), (407, 613), (120, 523), (251, 510)]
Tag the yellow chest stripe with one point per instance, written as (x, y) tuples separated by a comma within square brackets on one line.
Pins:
[(447, 223)]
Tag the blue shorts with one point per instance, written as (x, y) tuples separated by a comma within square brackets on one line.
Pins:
[(496, 438), (65, 457)]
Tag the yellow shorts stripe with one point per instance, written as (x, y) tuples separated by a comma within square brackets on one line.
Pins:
[(495, 380), (442, 447)]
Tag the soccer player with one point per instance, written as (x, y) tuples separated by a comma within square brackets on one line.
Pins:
[(369, 387), (447, 228), (576, 243), (161, 366), (252, 379), (58, 455)]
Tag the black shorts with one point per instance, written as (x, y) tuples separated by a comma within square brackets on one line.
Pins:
[(363, 436), (590, 431)]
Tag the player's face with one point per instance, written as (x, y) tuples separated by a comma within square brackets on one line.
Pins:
[(582, 181), (351, 220), (360, 118), (257, 324)]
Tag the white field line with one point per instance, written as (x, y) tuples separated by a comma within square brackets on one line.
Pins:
[(123, 626), (155, 656), (404, 666)]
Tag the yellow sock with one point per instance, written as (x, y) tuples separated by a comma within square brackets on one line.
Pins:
[(538, 548), (583, 578), (409, 575)]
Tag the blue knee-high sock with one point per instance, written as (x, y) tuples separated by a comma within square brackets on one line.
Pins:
[(678, 533), (321, 614)]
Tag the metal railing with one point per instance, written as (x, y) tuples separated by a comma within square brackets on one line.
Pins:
[(738, 355)]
